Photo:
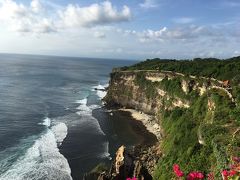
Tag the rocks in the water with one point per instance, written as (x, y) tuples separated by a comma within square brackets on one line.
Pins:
[(97, 89), (138, 162), (119, 159)]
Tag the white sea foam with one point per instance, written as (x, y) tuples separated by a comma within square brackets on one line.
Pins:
[(101, 93), (83, 108), (82, 101), (94, 106), (106, 151), (43, 160), (60, 132), (47, 122), (86, 113)]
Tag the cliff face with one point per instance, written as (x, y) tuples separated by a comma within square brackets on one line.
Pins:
[(138, 162), (124, 90), (150, 91), (197, 115)]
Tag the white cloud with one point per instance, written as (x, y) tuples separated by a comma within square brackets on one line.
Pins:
[(36, 6), (89, 31), (236, 53), (110, 50), (149, 4), (179, 33), (183, 20), (11, 10), (98, 34), (24, 19), (37, 17), (149, 35), (95, 14), (44, 26)]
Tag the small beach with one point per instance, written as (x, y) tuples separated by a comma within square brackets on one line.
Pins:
[(147, 120), (136, 126)]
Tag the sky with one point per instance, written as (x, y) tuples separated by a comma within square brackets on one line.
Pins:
[(122, 29)]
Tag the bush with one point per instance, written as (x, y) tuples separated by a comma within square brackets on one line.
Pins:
[(208, 67)]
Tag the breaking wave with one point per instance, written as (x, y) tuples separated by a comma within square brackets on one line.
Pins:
[(100, 90), (85, 111), (43, 160)]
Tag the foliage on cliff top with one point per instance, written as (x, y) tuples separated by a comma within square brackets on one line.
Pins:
[(185, 127), (208, 67)]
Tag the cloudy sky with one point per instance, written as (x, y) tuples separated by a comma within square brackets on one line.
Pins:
[(130, 29)]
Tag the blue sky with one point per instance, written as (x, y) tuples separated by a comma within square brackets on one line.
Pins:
[(135, 29)]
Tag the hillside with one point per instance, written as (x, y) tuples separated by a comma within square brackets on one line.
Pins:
[(208, 67), (197, 109)]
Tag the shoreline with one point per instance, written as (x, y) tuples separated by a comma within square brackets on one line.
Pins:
[(135, 128), (147, 121), (141, 156), (141, 145), (146, 153)]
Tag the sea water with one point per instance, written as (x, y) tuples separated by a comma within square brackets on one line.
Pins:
[(47, 130)]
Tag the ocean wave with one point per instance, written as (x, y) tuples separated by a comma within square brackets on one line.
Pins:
[(81, 101), (43, 160), (86, 113), (106, 153), (47, 122), (83, 108), (100, 90), (60, 132)]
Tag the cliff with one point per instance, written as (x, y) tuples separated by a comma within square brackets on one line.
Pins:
[(149, 91), (138, 162), (198, 115)]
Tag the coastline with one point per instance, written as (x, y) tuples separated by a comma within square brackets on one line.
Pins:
[(146, 154), (138, 134), (141, 156), (145, 135), (147, 121), (141, 147)]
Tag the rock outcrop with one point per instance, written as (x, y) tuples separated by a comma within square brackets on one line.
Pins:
[(138, 162), (146, 90), (119, 159), (125, 92)]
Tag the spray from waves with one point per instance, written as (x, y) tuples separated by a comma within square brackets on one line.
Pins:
[(46, 122), (86, 113), (106, 151), (100, 90), (60, 132), (82, 101), (43, 160)]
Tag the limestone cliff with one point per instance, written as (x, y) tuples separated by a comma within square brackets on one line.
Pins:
[(138, 162), (150, 91), (124, 90), (201, 104)]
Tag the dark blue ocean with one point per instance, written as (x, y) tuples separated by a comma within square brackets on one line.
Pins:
[(52, 124)]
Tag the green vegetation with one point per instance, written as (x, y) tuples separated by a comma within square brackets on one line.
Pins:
[(183, 129), (100, 168), (147, 86), (208, 67), (173, 87), (203, 137)]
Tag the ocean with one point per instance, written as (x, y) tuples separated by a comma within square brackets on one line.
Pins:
[(52, 123)]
